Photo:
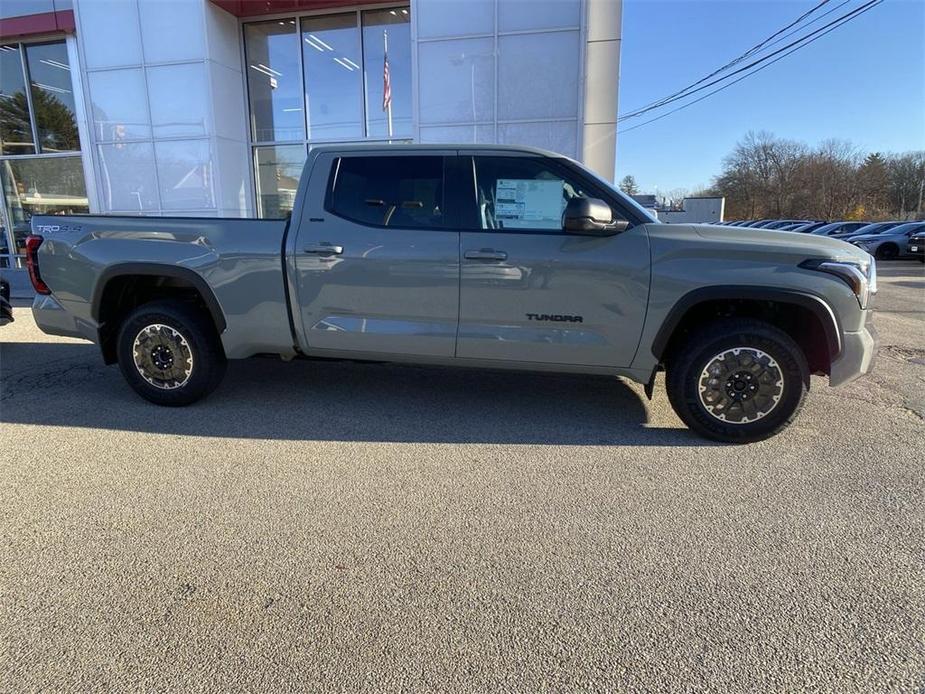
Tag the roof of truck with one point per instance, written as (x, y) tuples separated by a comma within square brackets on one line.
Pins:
[(384, 146)]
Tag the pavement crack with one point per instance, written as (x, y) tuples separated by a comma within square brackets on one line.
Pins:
[(50, 376)]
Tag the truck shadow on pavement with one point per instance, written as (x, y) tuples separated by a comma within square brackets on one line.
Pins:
[(66, 384)]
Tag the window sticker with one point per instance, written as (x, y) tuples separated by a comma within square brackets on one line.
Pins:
[(529, 203)]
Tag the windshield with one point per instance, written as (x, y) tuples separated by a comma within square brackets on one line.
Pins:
[(911, 227), (869, 229), (885, 227)]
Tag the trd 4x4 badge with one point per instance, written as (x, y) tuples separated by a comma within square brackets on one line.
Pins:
[(554, 317)]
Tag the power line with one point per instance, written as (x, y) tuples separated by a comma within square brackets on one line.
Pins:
[(735, 61), (802, 40), (870, 6), (809, 23), (799, 43)]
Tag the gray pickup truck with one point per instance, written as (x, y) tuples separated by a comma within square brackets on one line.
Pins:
[(485, 256)]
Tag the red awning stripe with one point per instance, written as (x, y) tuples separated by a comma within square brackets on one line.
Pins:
[(33, 24)]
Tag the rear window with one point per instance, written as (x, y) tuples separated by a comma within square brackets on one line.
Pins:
[(399, 192)]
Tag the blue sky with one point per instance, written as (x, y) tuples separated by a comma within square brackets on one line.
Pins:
[(863, 82)]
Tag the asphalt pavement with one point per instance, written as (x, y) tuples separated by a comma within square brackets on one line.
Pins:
[(328, 526)]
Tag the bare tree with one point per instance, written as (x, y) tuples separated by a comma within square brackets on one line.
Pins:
[(906, 174), (765, 176)]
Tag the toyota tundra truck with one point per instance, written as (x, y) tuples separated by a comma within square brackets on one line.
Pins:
[(481, 256)]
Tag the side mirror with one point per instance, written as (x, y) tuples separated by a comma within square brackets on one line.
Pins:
[(591, 217)]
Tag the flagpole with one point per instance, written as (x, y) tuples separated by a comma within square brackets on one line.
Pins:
[(385, 42)]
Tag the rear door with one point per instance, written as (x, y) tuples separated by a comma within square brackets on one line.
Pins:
[(377, 270), (529, 291)]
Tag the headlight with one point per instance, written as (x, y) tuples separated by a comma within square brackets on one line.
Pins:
[(861, 276)]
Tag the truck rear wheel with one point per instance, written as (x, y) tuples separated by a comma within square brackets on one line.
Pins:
[(169, 353), (738, 380)]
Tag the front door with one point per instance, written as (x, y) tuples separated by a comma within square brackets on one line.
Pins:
[(531, 292), (378, 272)]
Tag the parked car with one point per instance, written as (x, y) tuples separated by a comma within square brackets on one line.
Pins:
[(916, 246), (795, 226), (808, 228), (757, 223), (6, 309), (874, 228), (889, 243), (485, 256), (781, 223), (839, 228)]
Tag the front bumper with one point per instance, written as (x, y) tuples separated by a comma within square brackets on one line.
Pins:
[(859, 349), (53, 319)]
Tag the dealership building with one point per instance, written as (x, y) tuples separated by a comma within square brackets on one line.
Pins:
[(208, 107)]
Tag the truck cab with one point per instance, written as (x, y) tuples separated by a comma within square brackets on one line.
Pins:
[(444, 253)]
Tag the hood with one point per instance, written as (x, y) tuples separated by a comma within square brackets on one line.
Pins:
[(811, 244), (870, 237)]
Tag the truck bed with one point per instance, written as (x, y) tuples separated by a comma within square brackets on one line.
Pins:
[(238, 260)]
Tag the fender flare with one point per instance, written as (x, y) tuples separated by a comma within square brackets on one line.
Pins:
[(811, 302), (184, 274)]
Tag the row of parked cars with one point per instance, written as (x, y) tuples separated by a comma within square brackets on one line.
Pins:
[(883, 240)]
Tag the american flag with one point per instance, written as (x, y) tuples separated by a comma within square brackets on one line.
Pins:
[(386, 85)]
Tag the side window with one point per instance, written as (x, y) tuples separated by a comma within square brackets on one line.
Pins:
[(524, 193), (400, 192)]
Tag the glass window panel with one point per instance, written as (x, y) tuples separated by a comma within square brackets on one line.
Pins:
[(400, 192), (457, 81), (119, 104), (4, 243), (172, 30), (184, 172), (333, 77), (273, 81), (278, 171), (456, 17), (52, 97), (524, 193), (542, 14), (556, 136), (173, 117), (41, 186), (394, 25), (554, 55), (458, 134), (111, 33), (127, 177), (15, 127)]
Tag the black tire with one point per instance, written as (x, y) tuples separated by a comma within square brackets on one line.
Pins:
[(198, 339), (887, 251), (687, 367)]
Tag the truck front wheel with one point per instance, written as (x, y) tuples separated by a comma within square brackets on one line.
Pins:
[(169, 353), (738, 380)]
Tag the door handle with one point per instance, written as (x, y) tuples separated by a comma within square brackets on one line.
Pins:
[(324, 249), (485, 254)]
